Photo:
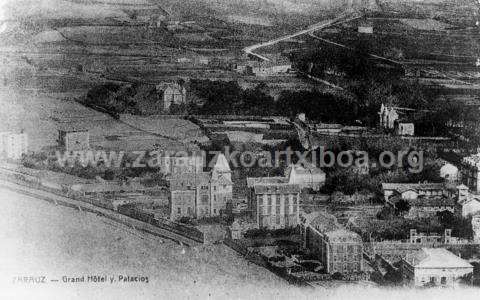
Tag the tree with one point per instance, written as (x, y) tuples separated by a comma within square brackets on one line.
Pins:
[(402, 206)]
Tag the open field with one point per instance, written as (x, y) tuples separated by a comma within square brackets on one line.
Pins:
[(411, 39), (41, 115)]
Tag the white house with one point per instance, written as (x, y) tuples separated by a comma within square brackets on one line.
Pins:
[(411, 191), (306, 176), (13, 145), (476, 228), (388, 116), (172, 93), (470, 207), (470, 203), (434, 267), (449, 172), (404, 128)]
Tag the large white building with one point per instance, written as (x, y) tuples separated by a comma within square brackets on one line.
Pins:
[(274, 202), (434, 267), (13, 145)]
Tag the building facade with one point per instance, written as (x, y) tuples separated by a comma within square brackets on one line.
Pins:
[(201, 194), (476, 228), (13, 145), (470, 203), (74, 139), (470, 172), (434, 267), (339, 250), (404, 128), (306, 176), (276, 206), (172, 94), (180, 164), (411, 191)]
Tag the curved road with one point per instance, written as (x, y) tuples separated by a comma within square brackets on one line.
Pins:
[(343, 17)]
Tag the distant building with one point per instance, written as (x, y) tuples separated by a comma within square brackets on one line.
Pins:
[(202, 194), (274, 202), (307, 176), (172, 93), (388, 116), (470, 203), (428, 206), (239, 227), (13, 145), (411, 191), (422, 238), (449, 172), (365, 26), (74, 139), (434, 267), (193, 162), (476, 228), (271, 69), (404, 128), (339, 250), (470, 172), (184, 60), (190, 195)]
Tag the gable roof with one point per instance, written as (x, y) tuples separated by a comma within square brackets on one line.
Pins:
[(436, 258), (252, 181), (181, 181), (305, 169), (343, 236), (221, 164)]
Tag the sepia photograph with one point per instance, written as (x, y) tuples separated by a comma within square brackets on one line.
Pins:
[(240, 149)]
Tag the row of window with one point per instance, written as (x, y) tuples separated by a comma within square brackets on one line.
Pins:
[(189, 211)]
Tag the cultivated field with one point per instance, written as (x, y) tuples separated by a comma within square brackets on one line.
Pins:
[(41, 115)]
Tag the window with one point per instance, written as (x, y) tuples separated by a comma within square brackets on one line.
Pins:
[(215, 211), (179, 210), (443, 280)]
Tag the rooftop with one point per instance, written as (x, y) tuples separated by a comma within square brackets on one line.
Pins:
[(277, 189), (322, 221), (402, 187), (436, 258), (252, 181), (343, 236), (306, 169)]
